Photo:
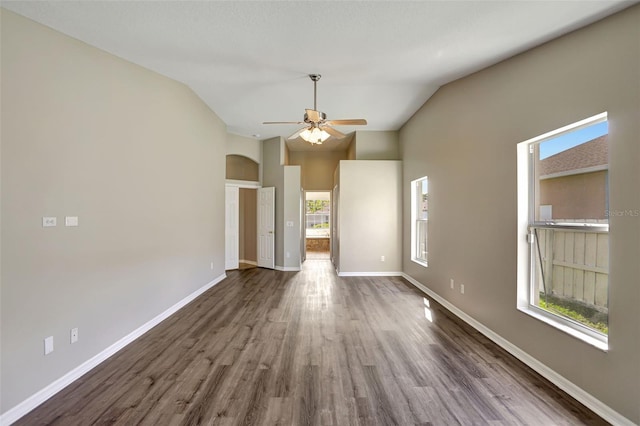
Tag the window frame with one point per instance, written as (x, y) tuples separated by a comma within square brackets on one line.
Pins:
[(414, 222), (526, 252)]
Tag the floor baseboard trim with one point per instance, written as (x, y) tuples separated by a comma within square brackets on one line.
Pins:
[(567, 386), (287, 268), (14, 414), (370, 274)]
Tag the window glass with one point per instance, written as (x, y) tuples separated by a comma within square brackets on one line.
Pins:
[(569, 226), (420, 220), (317, 213)]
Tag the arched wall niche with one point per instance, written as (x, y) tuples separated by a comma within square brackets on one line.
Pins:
[(240, 167)]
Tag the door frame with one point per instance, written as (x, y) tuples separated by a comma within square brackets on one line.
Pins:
[(266, 231), (231, 227), (229, 183), (304, 218)]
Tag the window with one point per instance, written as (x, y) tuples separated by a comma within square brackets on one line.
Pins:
[(419, 220), (317, 214), (563, 210)]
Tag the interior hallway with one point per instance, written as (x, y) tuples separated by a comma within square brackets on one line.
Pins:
[(318, 255)]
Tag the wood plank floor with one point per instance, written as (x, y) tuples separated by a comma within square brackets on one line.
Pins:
[(310, 348)]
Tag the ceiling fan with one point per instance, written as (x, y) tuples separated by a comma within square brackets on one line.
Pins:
[(317, 128)]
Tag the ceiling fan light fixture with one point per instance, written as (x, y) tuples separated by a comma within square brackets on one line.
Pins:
[(315, 121), (314, 135)]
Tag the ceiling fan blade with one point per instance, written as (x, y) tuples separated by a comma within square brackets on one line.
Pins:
[(297, 133), (314, 119), (333, 132), (282, 122), (349, 122)]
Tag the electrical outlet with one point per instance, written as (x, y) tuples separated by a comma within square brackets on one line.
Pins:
[(48, 345), (381, 258), (74, 335), (212, 266), (462, 288), (452, 284), (48, 221)]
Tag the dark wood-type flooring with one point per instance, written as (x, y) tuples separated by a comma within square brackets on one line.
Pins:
[(310, 348)]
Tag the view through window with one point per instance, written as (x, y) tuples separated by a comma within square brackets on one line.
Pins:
[(419, 220), (569, 225), (317, 213)]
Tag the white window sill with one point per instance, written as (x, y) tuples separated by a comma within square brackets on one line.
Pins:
[(558, 324), (420, 262)]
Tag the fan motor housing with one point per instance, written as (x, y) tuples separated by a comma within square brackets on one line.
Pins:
[(312, 116)]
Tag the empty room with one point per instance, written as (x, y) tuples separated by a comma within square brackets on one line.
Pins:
[(320, 212)]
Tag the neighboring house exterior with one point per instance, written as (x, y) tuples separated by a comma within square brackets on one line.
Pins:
[(566, 177)]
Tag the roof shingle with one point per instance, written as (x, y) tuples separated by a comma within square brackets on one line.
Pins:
[(589, 154)]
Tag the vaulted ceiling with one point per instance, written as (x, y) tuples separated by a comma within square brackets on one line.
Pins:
[(249, 60)]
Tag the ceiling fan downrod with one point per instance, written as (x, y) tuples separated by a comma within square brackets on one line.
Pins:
[(314, 78)]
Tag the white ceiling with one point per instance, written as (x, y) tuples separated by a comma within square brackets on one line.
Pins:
[(379, 60)]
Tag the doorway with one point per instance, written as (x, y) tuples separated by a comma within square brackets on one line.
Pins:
[(318, 225), (247, 247), (249, 227), (240, 228)]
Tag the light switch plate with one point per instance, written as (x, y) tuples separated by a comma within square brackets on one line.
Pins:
[(48, 345), (71, 221)]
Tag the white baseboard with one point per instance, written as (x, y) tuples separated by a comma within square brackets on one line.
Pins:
[(370, 274), (249, 262), (287, 268), (575, 391), (50, 390)]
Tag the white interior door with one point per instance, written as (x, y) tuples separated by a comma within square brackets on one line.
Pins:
[(266, 227), (335, 232), (303, 225), (232, 229)]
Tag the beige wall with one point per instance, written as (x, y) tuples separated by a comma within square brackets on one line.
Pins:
[(464, 138), (317, 167), (351, 148), (136, 156), (369, 214), (286, 181), (292, 207), (239, 167), (376, 145), (335, 220), (273, 176), (284, 154), (247, 147)]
